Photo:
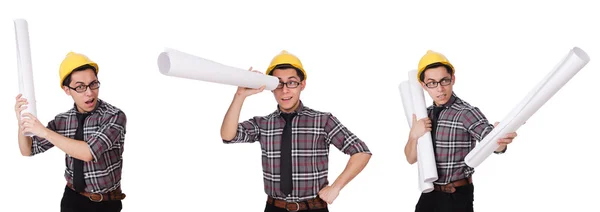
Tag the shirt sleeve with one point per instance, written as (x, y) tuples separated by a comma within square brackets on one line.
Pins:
[(247, 132), (477, 124), (342, 138), (110, 132), (40, 145)]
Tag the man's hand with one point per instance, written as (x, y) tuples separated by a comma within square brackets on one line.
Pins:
[(504, 141), (328, 194), (20, 105), (31, 124), (245, 92), (420, 127)]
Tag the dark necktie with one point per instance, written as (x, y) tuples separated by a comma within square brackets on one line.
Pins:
[(434, 122), (78, 180), (286, 155)]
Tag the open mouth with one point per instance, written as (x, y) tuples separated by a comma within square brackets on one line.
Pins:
[(90, 102), (286, 99), (441, 96)]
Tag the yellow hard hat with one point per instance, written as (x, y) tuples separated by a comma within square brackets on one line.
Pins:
[(432, 57), (71, 62), (286, 58)]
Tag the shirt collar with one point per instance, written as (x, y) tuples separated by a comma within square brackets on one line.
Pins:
[(297, 111)]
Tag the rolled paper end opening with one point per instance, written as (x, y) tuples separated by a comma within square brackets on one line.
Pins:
[(164, 63), (581, 54)]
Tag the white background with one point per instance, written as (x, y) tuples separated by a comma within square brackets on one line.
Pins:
[(356, 54)]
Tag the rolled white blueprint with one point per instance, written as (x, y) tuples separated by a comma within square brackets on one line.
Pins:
[(179, 64), (24, 66), (407, 103), (572, 63), (425, 187), (425, 153)]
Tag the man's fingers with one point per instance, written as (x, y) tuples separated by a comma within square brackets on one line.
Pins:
[(21, 104), (28, 115), (511, 135), (504, 141)]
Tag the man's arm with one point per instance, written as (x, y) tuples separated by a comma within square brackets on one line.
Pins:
[(479, 127), (110, 131), (410, 150), (45, 137), (74, 148), (355, 165), (349, 144), (30, 146), (418, 129), (229, 127), (24, 143)]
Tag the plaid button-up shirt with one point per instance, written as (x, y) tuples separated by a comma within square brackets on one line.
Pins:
[(104, 131), (460, 126), (312, 133)]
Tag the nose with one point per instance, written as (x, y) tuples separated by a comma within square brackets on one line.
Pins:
[(440, 88), (88, 92), (285, 89)]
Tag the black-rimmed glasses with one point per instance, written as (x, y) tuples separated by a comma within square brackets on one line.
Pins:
[(290, 84), (443, 82), (82, 88)]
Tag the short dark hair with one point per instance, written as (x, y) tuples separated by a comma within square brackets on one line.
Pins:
[(286, 66), (435, 65), (67, 80)]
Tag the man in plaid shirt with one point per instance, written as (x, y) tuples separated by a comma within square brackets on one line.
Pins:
[(456, 127), (91, 134), (295, 142)]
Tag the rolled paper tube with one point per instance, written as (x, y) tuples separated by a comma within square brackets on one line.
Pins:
[(425, 151), (25, 68), (407, 104), (183, 65), (570, 65)]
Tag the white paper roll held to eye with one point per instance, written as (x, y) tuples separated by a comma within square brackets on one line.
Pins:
[(407, 104), (183, 65), (25, 67), (570, 65)]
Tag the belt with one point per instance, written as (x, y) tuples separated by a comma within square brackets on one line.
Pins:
[(451, 187), (97, 197), (316, 203)]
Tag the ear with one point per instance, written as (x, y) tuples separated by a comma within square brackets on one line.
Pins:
[(67, 90), (453, 79), (302, 85)]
